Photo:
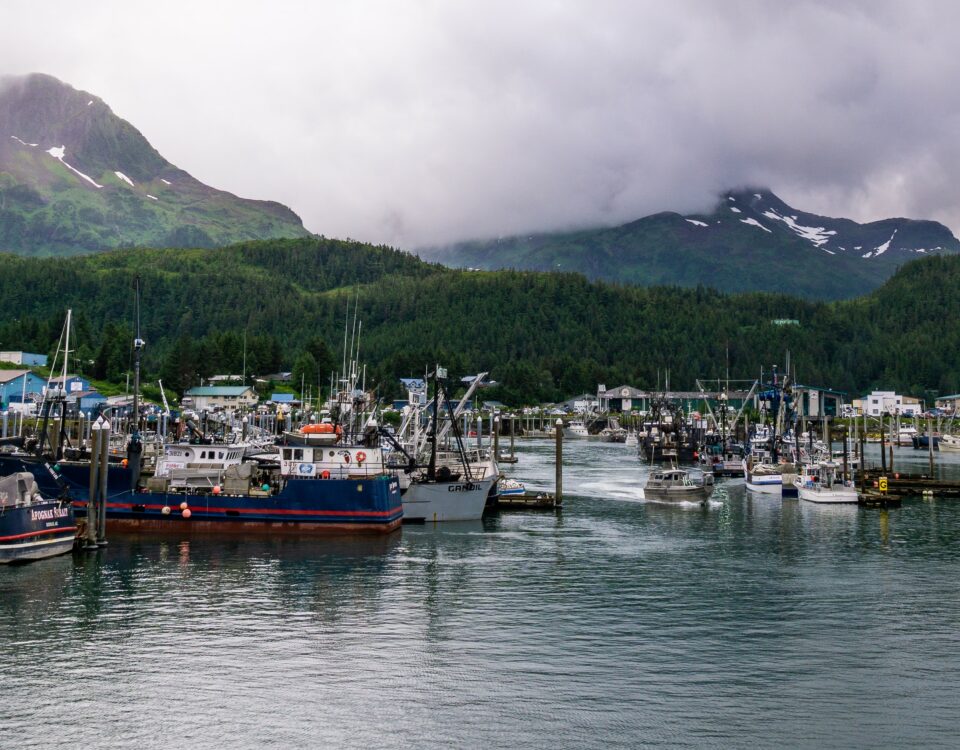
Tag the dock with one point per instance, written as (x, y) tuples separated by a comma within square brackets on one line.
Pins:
[(528, 501), (875, 499), (913, 485)]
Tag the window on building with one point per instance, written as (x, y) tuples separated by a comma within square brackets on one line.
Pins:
[(297, 454)]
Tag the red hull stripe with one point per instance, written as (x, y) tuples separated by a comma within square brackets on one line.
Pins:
[(178, 525), (38, 533), (260, 511)]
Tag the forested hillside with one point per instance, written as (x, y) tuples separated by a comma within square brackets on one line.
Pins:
[(543, 336)]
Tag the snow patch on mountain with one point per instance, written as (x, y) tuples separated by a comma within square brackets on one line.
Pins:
[(754, 223), (126, 179), (153, 197), (165, 182), (817, 235), (697, 223), (735, 209), (23, 143), (885, 246), (57, 152)]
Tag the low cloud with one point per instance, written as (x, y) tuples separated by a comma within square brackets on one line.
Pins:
[(425, 122)]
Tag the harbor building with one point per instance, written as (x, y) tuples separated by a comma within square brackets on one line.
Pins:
[(15, 383), (815, 401), (24, 358), (887, 402), (71, 384), (211, 397), (623, 399)]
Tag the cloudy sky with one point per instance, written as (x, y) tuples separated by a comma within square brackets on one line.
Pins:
[(426, 121)]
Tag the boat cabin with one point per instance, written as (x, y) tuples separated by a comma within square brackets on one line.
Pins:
[(178, 456), (671, 478), (330, 462)]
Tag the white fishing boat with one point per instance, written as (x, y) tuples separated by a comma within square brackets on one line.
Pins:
[(766, 478), (632, 441), (904, 436), (823, 483), (576, 430), (949, 443), (678, 485), (449, 497)]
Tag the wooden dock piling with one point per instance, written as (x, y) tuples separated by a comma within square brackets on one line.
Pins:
[(558, 492)]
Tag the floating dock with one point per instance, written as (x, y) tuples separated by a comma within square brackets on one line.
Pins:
[(528, 501), (875, 499), (913, 485)]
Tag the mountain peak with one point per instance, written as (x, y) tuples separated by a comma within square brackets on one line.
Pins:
[(76, 177), (752, 240)]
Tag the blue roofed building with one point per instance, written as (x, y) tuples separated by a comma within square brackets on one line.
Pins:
[(14, 384), (284, 399)]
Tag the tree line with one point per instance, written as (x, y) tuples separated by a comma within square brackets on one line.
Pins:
[(282, 305)]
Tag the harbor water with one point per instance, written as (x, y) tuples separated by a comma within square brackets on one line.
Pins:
[(752, 622)]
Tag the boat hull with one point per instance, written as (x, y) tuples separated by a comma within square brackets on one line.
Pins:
[(369, 505), (846, 495), (36, 531), (432, 502), (684, 495), (770, 484)]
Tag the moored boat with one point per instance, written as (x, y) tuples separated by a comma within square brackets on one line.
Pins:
[(576, 430), (949, 443), (824, 484), (31, 526)]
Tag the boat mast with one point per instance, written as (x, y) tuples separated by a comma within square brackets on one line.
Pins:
[(135, 446), (432, 469)]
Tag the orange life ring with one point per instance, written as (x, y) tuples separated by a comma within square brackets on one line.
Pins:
[(324, 474), (361, 457)]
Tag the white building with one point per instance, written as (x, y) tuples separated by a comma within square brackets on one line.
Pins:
[(888, 402), (210, 397)]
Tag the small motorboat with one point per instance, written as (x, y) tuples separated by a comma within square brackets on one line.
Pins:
[(32, 527), (677, 486), (510, 487)]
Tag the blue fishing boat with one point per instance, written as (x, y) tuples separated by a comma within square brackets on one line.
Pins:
[(32, 527)]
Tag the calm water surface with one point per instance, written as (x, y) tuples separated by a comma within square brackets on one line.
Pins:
[(620, 623)]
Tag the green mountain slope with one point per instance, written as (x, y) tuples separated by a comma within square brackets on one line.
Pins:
[(752, 241), (543, 335), (74, 178)]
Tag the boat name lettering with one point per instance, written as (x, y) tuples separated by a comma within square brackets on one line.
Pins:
[(48, 514), (467, 487)]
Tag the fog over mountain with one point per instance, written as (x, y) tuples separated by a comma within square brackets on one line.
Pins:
[(429, 122)]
